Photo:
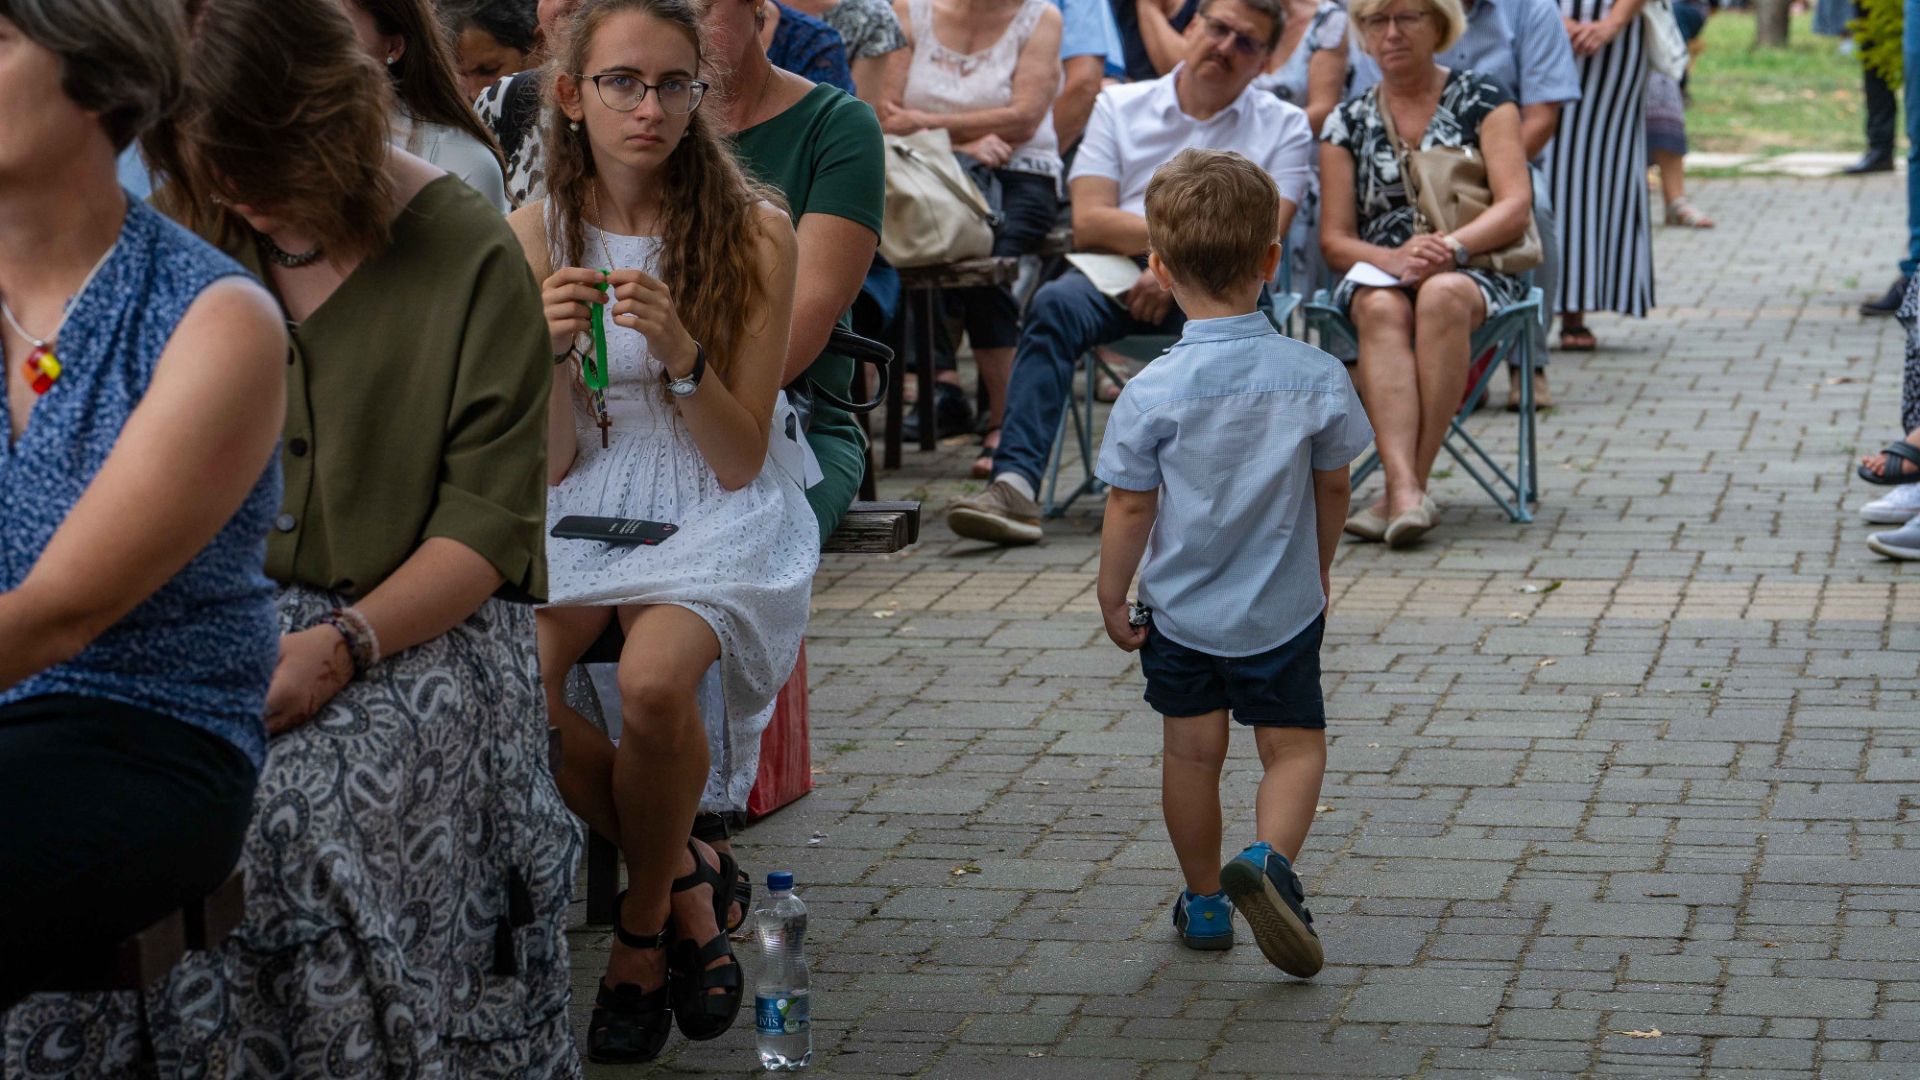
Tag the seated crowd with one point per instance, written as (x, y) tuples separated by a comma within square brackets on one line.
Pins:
[(415, 282)]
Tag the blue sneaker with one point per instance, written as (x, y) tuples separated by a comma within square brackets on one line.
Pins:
[(1265, 889), (1204, 922)]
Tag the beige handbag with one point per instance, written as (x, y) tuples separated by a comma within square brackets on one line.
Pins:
[(1448, 188), (934, 213)]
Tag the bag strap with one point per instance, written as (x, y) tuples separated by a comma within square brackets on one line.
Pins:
[(1420, 223), (966, 192), (861, 350)]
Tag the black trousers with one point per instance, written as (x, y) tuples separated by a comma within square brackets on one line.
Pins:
[(1028, 207), (1883, 112), (110, 817)]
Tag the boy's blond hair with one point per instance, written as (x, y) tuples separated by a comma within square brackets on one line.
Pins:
[(1211, 216)]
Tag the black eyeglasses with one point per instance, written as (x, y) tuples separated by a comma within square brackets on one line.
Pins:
[(623, 93), (1244, 44)]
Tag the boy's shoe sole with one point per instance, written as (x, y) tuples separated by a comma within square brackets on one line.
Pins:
[(1283, 938)]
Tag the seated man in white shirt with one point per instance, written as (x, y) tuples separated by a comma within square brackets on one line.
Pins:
[(1135, 128)]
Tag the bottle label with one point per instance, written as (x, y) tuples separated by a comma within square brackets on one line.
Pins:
[(781, 1015)]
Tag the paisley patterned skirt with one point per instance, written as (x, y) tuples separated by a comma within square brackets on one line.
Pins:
[(408, 874)]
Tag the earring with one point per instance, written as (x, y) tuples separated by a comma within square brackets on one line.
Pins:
[(389, 61), (573, 125)]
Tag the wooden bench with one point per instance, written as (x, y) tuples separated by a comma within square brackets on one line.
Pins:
[(870, 528), (144, 958)]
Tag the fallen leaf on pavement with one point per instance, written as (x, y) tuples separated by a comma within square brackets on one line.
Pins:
[(1837, 380), (1546, 663), (1373, 744), (1323, 809), (968, 869), (1653, 1034)]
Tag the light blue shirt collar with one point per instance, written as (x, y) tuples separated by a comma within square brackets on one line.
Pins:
[(1227, 328)]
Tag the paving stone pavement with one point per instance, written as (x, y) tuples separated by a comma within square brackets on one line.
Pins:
[(1648, 763)]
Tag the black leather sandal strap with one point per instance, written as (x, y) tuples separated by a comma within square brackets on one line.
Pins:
[(632, 940), (702, 874), (1903, 449)]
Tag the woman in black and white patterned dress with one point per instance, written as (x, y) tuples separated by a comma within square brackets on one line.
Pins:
[(1598, 171), (1414, 335)]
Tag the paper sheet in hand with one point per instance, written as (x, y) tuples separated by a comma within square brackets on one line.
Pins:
[(1111, 274), (1365, 273)]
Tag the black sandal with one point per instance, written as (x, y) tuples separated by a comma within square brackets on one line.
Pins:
[(630, 1025), (702, 1015), (1905, 451), (710, 827)]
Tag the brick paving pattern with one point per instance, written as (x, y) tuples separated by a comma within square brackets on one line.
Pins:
[(1647, 764)]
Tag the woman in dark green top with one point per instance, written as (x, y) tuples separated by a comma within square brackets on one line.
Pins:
[(822, 149), (411, 861)]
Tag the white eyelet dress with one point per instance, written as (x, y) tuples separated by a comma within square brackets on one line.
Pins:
[(742, 560)]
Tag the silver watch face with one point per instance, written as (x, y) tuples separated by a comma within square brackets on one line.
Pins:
[(681, 387)]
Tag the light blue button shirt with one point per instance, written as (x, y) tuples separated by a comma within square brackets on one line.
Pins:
[(1087, 29), (1230, 425), (1520, 44)]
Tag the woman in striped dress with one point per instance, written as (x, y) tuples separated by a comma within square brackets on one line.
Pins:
[(1598, 171)]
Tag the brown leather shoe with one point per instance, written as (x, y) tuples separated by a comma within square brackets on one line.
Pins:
[(998, 515)]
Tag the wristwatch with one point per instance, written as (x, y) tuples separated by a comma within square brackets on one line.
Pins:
[(1460, 252), (686, 386)]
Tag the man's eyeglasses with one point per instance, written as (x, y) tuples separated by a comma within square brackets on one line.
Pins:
[(623, 93), (1244, 44), (1407, 21)]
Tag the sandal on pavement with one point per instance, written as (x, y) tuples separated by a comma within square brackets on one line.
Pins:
[(1906, 474), (712, 828), (630, 1025), (701, 1014), (1367, 525), (1109, 389), (983, 465), (1578, 339), (1682, 212)]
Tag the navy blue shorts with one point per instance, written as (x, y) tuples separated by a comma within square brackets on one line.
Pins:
[(1276, 688)]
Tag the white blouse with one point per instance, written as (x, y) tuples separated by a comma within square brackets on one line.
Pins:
[(457, 152)]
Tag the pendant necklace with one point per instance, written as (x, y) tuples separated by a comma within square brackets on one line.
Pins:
[(42, 367)]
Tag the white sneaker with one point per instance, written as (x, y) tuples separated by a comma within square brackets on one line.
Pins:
[(1896, 507)]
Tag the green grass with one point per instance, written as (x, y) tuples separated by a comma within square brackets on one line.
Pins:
[(1773, 101)]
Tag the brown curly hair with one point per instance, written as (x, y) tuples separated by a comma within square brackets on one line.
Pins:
[(281, 111), (708, 229)]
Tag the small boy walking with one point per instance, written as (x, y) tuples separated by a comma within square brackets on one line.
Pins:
[(1228, 462)]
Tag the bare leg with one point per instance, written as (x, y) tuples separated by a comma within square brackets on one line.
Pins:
[(996, 366), (658, 774), (1446, 312), (586, 754), (1295, 760), (1389, 385), (1196, 749), (1673, 174)]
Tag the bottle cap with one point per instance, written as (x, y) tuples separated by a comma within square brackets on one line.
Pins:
[(780, 881)]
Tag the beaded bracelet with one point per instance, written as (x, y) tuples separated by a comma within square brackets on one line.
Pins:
[(363, 645)]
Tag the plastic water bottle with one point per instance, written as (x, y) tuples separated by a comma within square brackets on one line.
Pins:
[(783, 1022)]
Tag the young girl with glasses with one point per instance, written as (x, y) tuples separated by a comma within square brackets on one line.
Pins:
[(697, 264)]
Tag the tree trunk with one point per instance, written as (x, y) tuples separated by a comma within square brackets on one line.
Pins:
[(1770, 23)]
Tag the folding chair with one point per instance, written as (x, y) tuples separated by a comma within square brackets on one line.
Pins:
[(1507, 334), (1143, 348)]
